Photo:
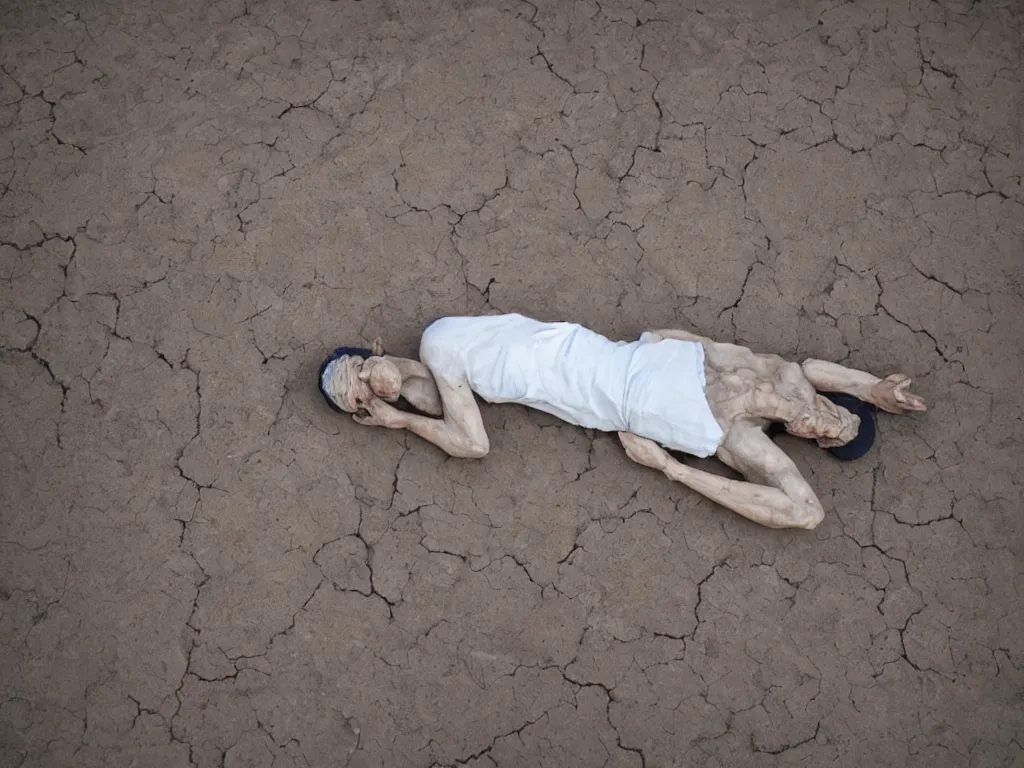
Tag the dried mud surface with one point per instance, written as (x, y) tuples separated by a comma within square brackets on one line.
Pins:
[(200, 564)]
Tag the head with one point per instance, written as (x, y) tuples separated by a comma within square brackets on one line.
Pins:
[(825, 422), (351, 377)]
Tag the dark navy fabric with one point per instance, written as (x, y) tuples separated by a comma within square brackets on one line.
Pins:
[(865, 438)]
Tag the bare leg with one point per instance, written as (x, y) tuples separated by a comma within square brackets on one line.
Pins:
[(890, 394), (783, 500)]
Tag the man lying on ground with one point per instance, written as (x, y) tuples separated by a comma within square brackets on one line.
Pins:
[(669, 388)]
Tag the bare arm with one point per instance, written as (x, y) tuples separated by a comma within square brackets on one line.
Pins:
[(890, 394), (460, 433), (418, 385), (422, 394), (830, 377), (410, 368)]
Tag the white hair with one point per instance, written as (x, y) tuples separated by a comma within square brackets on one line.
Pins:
[(336, 380)]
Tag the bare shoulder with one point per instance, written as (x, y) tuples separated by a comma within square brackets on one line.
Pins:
[(726, 357)]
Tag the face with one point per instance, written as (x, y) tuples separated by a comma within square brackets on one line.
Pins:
[(363, 380)]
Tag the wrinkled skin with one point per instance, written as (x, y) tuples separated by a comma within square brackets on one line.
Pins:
[(746, 391)]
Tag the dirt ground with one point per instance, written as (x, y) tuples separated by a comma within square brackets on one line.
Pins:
[(200, 564)]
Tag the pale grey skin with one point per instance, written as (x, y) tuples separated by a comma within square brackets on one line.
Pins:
[(745, 390)]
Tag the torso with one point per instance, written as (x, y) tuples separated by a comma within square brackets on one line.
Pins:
[(751, 389), (652, 390)]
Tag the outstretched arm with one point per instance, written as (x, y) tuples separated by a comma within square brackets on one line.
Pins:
[(890, 394)]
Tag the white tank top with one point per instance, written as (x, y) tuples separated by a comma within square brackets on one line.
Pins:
[(654, 390)]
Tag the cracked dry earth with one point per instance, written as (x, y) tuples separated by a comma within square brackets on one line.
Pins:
[(200, 564)]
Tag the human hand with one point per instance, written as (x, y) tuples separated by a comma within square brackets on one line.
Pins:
[(644, 451), (890, 394), (378, 413)]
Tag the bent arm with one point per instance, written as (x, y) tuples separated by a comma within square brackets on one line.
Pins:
[(460, 433), (422, 395), (418, 386)]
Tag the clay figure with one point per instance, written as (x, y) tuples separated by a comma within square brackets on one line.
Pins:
[(670, 389)]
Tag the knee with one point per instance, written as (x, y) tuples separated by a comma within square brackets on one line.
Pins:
[(808, 515), (471, 446), (475, 449)]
